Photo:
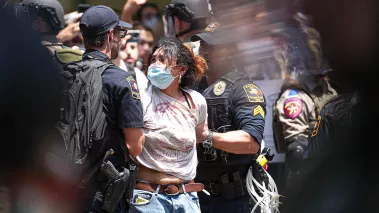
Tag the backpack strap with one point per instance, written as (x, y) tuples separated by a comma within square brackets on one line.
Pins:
[(99, 64)]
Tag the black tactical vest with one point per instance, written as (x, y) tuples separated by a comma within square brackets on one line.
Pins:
[(220, 120)]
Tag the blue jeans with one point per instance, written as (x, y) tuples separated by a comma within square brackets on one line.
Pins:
[(159, 203)]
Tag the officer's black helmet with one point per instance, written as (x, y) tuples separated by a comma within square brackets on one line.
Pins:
[(49, 10), (189, 10)]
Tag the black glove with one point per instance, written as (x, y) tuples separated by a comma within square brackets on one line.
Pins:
[(295, 152)]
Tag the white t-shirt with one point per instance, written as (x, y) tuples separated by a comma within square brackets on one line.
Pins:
[(170, 136), (142, 81)]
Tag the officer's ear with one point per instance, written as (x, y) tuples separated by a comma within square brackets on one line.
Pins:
[(111, 35)]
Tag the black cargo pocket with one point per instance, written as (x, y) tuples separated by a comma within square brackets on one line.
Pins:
[(64, 131)]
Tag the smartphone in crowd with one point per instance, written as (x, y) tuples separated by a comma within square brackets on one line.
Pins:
[(135, 35)]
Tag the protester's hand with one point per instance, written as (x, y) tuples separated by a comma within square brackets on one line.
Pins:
[(137, 2), (71, 31)]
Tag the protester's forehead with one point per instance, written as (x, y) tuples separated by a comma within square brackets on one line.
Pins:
[(161, 55)]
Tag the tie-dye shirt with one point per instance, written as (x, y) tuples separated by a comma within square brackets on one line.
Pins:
[(169, 128)]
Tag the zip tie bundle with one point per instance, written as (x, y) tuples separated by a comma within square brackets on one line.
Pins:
[(269, 202)]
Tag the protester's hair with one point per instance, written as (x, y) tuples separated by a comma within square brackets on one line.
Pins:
[(179, 54), (97, 41), (138, 15)]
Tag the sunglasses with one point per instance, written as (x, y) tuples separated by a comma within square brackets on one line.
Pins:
[(122, 32)]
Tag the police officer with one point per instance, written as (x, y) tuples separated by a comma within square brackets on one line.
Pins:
[(102, 32), (184, 18), (47, 19), (236, 120), (304, 92)]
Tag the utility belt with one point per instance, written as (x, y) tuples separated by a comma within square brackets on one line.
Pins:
[(120, 182), (229, 186)]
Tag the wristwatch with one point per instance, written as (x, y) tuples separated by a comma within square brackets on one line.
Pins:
[(208, 143)]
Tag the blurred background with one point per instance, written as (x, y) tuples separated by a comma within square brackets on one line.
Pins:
[(345, 26), (117, 5)]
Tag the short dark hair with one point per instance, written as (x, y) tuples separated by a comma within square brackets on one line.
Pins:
[(97, 41), (173, 49)]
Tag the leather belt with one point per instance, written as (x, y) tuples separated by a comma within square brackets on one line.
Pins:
[(170, 189)]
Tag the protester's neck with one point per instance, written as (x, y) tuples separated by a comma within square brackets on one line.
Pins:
[(172, 91)]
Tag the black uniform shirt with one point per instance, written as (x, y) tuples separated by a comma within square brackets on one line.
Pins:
[(122, 104), (248, 109)]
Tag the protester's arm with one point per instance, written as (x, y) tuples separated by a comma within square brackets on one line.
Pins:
[(130, 7), (71, 31)]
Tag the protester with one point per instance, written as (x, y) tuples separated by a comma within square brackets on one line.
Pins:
[(146, 42), (175, 121), (146, 13)]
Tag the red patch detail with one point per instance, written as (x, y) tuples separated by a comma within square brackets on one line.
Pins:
[(293, 107)]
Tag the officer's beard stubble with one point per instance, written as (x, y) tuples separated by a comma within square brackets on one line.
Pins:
[(115, 48)]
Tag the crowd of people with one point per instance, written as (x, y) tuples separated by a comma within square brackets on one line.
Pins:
[(143, 109)]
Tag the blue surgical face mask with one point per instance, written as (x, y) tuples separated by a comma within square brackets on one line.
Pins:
[(160, 76)]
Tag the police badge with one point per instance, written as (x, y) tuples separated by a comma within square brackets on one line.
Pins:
[(219, 88)]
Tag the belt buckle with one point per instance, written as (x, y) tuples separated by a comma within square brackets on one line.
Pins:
[(168, 194)]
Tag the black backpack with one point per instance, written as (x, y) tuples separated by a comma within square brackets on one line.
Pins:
[(83, 121)]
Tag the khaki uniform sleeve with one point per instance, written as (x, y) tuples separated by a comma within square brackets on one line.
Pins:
[(296, 110)]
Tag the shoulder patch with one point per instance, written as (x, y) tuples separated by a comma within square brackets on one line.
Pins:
[(293, 107), (212, 27), (253, 93), (259, 111), (133, 87), (317, 125), (219, 88), (293, 92)]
